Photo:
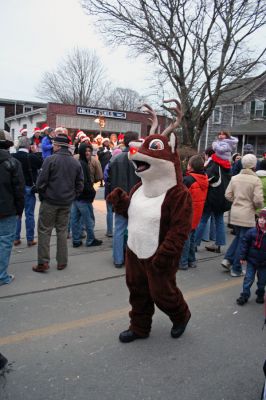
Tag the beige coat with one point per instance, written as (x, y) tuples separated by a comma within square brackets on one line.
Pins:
[(245, 192)]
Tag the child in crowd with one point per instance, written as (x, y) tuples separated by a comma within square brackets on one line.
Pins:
[(197, 183), (253, 252), (225, 145)]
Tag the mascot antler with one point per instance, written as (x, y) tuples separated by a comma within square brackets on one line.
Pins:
[(177, 111), (153, 118)]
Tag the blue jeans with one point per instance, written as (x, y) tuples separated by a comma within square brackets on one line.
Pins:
[(30, 201), (249, 279), (7, 236), (219, 228), (119, 239), (82, 213), (233, 251), (209, 231), (188, 253), (109, 218)]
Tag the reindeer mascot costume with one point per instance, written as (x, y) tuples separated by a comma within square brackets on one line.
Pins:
[(159, 211)]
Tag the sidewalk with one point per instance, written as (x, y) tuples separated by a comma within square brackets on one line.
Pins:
[(85, 264)]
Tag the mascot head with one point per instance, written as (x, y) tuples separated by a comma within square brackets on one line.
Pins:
[(156, 159)]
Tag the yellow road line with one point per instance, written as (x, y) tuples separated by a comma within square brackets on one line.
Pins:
[(109, 315)]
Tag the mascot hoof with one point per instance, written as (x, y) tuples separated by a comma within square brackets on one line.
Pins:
[(178, 329), (129, 336)]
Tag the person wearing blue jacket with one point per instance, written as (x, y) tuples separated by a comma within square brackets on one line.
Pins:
[(253, 252), (47, 143)]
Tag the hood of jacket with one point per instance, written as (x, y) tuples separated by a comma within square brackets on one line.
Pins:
[(4, 155), (202, 180)]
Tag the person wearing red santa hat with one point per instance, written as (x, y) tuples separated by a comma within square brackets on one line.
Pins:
[(35, 141)]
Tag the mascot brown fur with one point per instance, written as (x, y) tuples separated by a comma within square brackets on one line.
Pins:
[(159, 211)]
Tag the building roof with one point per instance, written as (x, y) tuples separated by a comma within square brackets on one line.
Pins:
[(253, 127), (238, 90), (27, 114), (12, 101)]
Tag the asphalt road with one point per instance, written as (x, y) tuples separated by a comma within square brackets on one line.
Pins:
[(60, 331)]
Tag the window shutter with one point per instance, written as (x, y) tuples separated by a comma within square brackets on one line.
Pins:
[(252, 109), (264, 110)]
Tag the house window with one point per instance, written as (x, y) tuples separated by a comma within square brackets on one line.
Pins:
[(247, 107), (216, 116), (27, 109), (259, 107), (24, 126)]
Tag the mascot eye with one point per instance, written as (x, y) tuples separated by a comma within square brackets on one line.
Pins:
[(156, 144)]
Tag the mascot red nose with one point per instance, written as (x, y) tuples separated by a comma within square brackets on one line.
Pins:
[(159, 211)]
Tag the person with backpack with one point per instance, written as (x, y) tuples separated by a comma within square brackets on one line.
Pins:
[(11, 202)]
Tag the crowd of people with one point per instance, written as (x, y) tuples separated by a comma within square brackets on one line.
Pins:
[(62, 170)]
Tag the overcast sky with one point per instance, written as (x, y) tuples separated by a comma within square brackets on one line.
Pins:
[(36, 34)]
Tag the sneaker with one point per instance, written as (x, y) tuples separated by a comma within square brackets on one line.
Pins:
[(226, 264), (214, 248), (236, 275), (11, 278), (109, 235), (192, 265), (96, 242), (241, 300)]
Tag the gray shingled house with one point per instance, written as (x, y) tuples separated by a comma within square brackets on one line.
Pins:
[(241, 110)]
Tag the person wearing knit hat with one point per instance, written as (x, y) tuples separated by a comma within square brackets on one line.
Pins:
[(261, 173), (11, 203), (245, 193), (60, 141), (253, 252), (247, 149)]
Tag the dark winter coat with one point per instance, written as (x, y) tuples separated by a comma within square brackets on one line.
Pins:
[(29, 160), (88, 193), (122, 172), (253, 247), (11, 186), (61, 178), (216, 201)]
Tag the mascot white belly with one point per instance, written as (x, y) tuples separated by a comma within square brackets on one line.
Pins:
[(144, 216)]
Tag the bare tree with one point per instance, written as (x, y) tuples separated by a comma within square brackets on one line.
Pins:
[(199, 46), (78, 79), (123, 99)]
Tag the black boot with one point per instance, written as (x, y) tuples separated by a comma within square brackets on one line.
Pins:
[(129, 336), (178, 329), (3, 361), (241, 300), (260, 299)]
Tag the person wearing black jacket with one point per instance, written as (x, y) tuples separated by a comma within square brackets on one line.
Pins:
[(11, 203), (82, 210), (30, 163)]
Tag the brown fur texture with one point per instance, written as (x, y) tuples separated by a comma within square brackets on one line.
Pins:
[(153, 280)]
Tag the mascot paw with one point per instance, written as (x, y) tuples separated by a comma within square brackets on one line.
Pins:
[(116, 196)]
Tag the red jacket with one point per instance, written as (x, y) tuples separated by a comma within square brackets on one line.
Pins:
[(198, 190)]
